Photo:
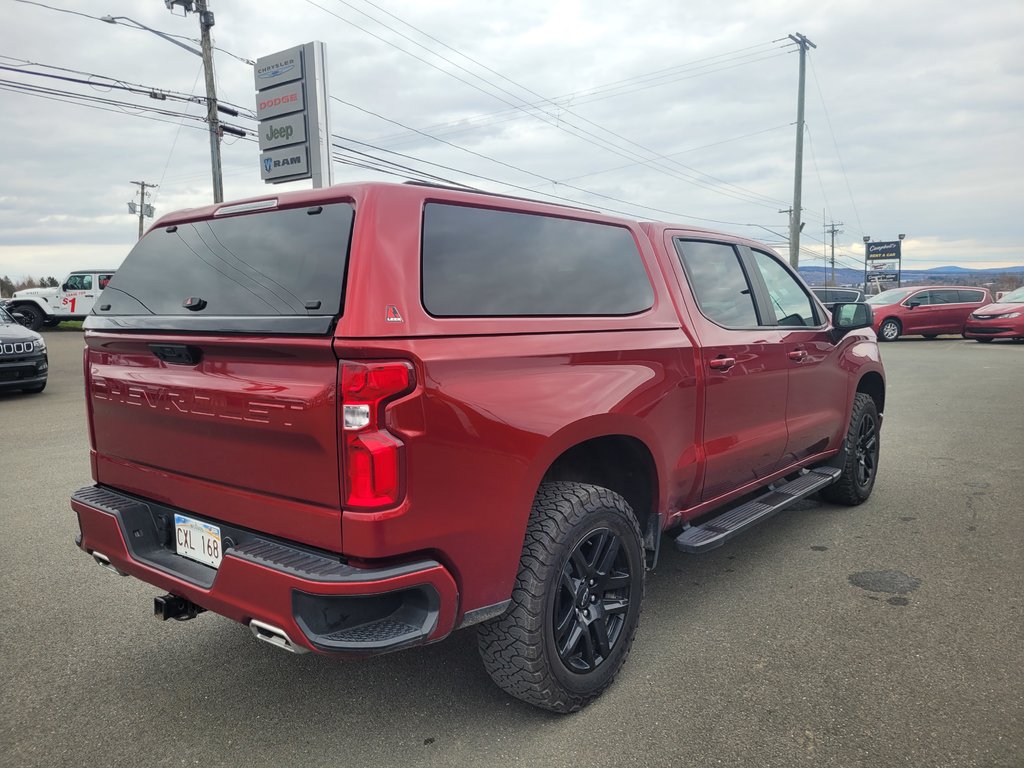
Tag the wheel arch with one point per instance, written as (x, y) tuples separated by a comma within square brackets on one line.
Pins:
[(622, 463), (873, 385)]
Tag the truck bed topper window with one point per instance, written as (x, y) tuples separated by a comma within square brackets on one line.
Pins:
[(479, 262), (268, 266)]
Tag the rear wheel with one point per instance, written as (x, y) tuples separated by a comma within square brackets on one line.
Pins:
[(862, 447), (890, 330), (576, 602)]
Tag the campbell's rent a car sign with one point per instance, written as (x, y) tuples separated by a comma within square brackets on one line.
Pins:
[(292, 109)]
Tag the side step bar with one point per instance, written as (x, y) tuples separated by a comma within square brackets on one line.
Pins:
[(715, 532)]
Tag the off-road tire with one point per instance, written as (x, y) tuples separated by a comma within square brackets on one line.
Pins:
[(862, 448), (33, 316), (519, 648), (890, 329)]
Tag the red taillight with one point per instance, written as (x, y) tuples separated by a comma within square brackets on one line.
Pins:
[(373, 456)]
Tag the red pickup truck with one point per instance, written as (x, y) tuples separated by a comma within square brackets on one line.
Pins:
[(356, 419)]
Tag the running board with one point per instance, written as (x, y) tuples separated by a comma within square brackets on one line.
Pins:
[(715, 532)]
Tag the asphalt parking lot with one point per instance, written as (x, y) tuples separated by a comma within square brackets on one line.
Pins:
[(887, 635)]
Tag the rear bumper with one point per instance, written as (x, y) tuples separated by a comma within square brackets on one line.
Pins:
[(322, 603)]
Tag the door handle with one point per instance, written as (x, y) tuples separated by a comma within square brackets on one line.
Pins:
[(797, 354), (722, 363)]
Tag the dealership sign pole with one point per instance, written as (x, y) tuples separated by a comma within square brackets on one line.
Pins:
[(294, 118)]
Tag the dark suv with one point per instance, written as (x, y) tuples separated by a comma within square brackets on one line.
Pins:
[(23, 361)]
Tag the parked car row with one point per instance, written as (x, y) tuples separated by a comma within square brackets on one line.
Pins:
[(931, 311)]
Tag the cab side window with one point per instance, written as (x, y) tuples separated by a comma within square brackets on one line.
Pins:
[(790, 302), (719, 283), (104, 279), (79, 283)]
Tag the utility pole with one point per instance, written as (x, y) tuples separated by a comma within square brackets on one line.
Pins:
[(205, 24), (834, 230), (794, 218), (142, 209)]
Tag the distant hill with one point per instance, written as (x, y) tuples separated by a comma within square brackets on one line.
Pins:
[(818, 275)]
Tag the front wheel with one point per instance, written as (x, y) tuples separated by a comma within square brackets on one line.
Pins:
[(576, 602), (889, 330), (32, 317), (862, 449)]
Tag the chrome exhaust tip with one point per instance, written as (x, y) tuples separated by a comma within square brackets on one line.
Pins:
[(104, 562), (276, 637)]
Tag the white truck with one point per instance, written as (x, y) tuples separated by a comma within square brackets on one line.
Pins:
[(72, 300)]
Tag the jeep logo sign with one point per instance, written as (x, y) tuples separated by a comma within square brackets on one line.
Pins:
[(280, 100), (284, 163), (282, 131)]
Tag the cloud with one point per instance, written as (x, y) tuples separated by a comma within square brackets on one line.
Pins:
[(913, 115)]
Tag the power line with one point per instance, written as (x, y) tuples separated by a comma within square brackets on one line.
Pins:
[(555, 121), (114, 21), (533, 93)]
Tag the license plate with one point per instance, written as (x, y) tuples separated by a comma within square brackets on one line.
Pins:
[(198, 541)]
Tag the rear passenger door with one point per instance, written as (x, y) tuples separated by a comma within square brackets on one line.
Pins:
[(946, 313), (817, 388), (744, 364)]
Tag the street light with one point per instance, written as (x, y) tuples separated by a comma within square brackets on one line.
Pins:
[(206, 54)]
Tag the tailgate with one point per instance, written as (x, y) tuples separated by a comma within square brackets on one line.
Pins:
[(234, 428)]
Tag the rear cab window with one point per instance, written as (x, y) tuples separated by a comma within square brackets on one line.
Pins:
[(273, 271), (481, 262)]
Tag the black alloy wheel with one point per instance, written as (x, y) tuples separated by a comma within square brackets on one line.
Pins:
[(592, 602), (867, 450), (860, 459), (575, 605)]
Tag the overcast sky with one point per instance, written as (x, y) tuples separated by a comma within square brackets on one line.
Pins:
[(661, 110)]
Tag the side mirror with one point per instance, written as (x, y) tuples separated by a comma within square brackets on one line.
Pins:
[(63, 286), (850, 317), (913, 304)]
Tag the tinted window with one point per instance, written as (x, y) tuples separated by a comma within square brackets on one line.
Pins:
[(719, 283), (945, 296), (278, 263), (484, 263), (790, 303), (971, 296), (922, 298)]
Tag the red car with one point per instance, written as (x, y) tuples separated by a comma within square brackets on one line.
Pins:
[(1002, 319), (925, 311), (358, 418)]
